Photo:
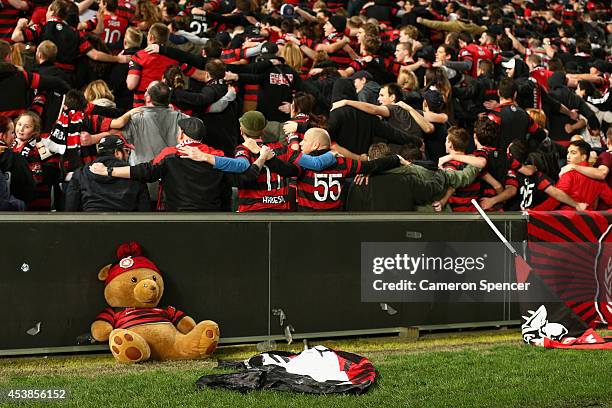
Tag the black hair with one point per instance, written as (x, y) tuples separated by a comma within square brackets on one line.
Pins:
[(75, 100), (411, 153), (395, 90), (583, 147), (213, 48)]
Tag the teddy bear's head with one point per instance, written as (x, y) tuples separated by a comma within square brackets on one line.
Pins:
[(134, 281)]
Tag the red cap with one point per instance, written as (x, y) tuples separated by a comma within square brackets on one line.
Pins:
[(129, 255)]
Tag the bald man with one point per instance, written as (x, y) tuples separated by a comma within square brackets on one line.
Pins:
[(321, 190)]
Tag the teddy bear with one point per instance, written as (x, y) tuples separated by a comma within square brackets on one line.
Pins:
[(134, 326)]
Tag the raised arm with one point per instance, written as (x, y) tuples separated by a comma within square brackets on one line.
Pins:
[(18, 35), (515, 42)]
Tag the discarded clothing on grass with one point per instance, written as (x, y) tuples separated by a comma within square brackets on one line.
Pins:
[(318, 370)]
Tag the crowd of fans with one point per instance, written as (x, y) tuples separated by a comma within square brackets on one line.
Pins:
[(252, 105)]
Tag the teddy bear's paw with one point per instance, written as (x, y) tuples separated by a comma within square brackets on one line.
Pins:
[(209, 339), (128, 347)]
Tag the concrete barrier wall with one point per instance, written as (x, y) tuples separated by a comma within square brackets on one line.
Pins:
[(230, 268)]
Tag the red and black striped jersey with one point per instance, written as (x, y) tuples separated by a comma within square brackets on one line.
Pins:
[(334, 5), (270, 190), (126, 10), (9, 16), (389, 35), (460, 201), (234, 55), (150, 67), (492, 156), (497, 167), (250, 95), (531, 191), (114, 28), (70, 44), (569, 16), (134, 316), (340, 57), (322, 190), (393, 66)]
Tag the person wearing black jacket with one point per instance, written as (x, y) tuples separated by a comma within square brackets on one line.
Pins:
[(22, 185), (48, 104), (530, 93), (514, 122), (355, 130), (16, 85), (276, 84), (223, 130), (188, 185), (471, 94), (91, 192), (558, 122)]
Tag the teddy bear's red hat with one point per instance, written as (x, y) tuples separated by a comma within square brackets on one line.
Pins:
[(130, 258)]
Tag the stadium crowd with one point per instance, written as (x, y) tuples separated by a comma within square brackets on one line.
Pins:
[(252, 105)]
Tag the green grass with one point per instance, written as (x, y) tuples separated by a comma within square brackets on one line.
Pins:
[(491, 369)]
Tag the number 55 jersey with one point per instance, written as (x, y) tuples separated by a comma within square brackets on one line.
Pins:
[(322, 190)]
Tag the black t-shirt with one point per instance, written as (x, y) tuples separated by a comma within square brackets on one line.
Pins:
[(401, 119), (531, 191), (434, 142)]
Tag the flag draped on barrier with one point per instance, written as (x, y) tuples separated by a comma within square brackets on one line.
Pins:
[(572, 270)]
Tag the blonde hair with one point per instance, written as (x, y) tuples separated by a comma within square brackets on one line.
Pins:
[(48, 50), (97, 90), (411, 31), (13, 51), (538, 116), (319, 5), (293, 56), (133, 38), (355, 22), (407, 80), (36, 123)]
